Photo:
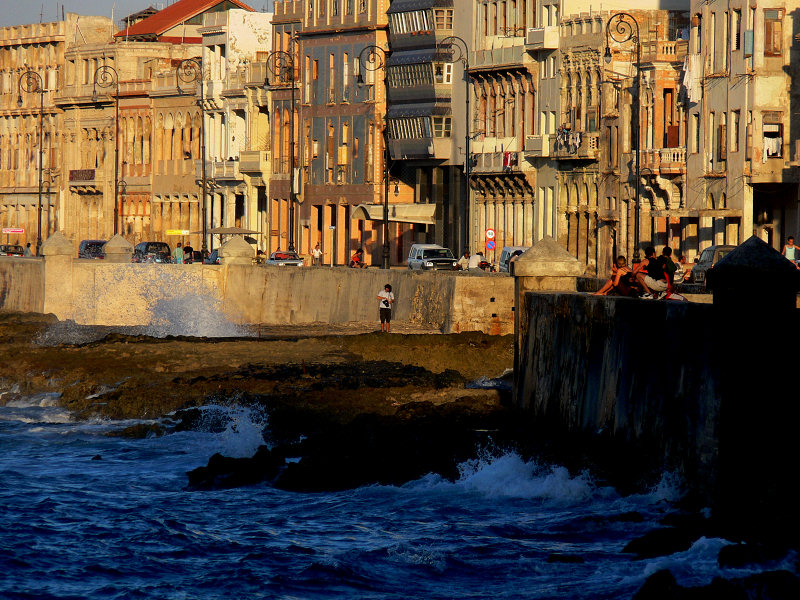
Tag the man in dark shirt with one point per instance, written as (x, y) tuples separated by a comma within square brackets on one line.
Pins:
[(650, 274)]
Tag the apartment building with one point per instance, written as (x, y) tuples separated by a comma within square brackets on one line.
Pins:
[(335, 129), (504, 77), (743, 123), (24, 103)]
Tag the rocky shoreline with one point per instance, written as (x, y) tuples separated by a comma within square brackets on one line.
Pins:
[(343, 411)]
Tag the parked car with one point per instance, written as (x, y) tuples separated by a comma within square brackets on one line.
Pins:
[(425, 257), (708, 258), (11, 250), (151, 252), (284, 258), (213, 258), (506, 254), (194, 257), (91, 249)]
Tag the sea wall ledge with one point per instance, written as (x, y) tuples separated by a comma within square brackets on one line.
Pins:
[(97, 292)]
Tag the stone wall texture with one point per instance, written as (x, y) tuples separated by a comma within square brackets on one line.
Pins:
[(102, 293), (622, 373)]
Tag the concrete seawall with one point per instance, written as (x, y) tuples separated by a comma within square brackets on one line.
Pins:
[(21, 284), (101, 293), (624, 374)]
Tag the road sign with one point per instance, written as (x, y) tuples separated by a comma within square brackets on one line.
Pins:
[(177, 232), (8, 230), (490, 234), (490, 245)]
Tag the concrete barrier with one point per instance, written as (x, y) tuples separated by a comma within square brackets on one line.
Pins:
[(104, 293)]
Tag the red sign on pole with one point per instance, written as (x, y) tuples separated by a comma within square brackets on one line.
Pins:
[(8, 230)]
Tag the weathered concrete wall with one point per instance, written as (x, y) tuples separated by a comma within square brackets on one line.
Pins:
[(21, 284), (624, 373), (103, 293)]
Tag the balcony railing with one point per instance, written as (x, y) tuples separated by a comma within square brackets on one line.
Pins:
[(219, 169), (253, 161), (542, 38), (664, 160)]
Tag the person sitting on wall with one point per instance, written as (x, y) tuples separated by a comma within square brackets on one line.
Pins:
[(620, 281), (357, 260), (463, 262), (650, 274), (670, 268)]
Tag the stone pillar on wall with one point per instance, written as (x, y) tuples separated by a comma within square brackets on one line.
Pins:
[(755, 329), (236, 252), (118, 250), (58, 253), (546, 266)]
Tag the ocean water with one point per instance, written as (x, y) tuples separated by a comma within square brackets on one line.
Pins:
[(87, 516)]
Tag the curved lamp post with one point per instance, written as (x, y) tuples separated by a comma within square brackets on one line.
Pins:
[(190, 70), (459, 52), (32, 83), (105, 77), (373, 58), (281, 64), (621, 28)]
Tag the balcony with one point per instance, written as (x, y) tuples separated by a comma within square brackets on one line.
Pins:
[(537, 146), (423, 148), (664, 161), (496, 162), (253, 161), (220, 170), (542, 38)]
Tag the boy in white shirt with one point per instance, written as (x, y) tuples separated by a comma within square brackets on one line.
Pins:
[(386, 298)]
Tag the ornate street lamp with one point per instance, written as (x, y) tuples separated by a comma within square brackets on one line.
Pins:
[(459, 52), (621, 28), (32, 83), (373, 58), (281, 64), (106, 76), (191, 70)]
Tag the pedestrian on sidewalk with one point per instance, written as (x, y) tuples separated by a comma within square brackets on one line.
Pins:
[(386, 298), (177, 254), (316, 255)]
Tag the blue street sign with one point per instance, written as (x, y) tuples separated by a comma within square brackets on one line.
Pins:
[(490, 244)]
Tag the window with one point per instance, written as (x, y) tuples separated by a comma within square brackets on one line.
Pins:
[(735, 120), (722, 140), (443, 72), (346, 77), (334, 8), (331, 79), (773, 135), (773, 32), (443, 18), (695, 133), (736, 30), (441, 127), (697, 33)]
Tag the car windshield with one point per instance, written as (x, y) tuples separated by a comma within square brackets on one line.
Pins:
[(437, 253), (160, 248), (94, 247), (13, 248), (284, 256)]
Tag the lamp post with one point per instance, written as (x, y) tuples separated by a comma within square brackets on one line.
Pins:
[(621, 28), (32, 83), (191, 70), (459, 52), (106, 76), (373, 58), (281, 64)]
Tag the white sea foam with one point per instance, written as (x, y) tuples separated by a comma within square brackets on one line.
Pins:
[(241, 437)]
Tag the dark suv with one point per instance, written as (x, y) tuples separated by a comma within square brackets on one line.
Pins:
[(91, 249), (151, 252)]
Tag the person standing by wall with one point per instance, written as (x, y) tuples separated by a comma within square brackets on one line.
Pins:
[(386, 298), (790, 250), (28, 253), (316, 256), (177, 255)]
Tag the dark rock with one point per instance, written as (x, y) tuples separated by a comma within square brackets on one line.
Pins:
[(739, 555), (225, 472), (139, 431), (661, 542), (661, 585), (97, 457), (772, 585)]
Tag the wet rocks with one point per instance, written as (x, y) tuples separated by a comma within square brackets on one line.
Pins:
[(771, 585)]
